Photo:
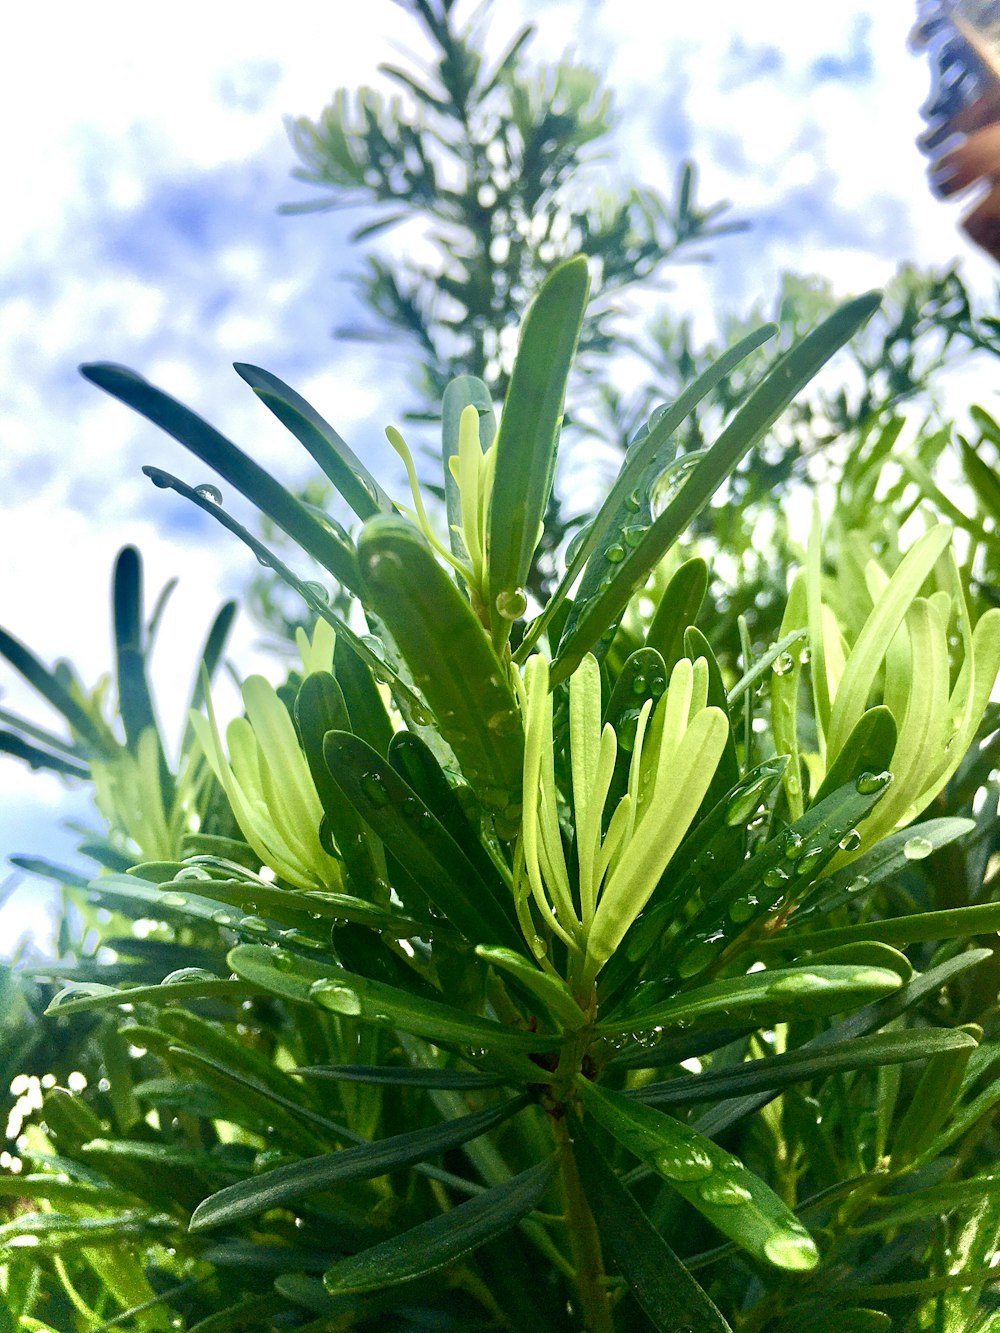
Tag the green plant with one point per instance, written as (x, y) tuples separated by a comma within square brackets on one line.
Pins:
[(515, 967)]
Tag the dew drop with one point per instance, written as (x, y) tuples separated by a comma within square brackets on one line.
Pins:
[(792, 1250), (723, 1193), (794, 845), (868, 784), (511, 603), (615, 553), (775, 878), (700, 955), (375, 646), (173, 900), (809, 861), (688, 1163), (742, 909), (916, 848), (799, 983), (374, 789), (317, 591), (858, 884), (158, 478), (782, 664), (851, 841), (503, 722), (256, 925), (222, 918), (633, 534), (745, 800), (634, 503), (639, 685), (183, 974), (334, 995), (209, 492), (657, 684), (192, 872)]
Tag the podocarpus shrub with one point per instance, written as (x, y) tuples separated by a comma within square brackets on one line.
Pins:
[(508, 966)]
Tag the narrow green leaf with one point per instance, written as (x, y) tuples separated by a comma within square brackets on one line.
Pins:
[(612, 516), (401, 1076), (92, 995), (320, 708), (48, 686), (529, 432), (332, 988), (251, 480), (134, 700), (885, 860), (410, 831), (947, 924), (982, 478), (551, 991), (36, 758), (761, 408), (316, 602), (211, 656), (766, 997), (433, 1244), (287, 1184), (678, 608), (343, 468), (873, 1016), (803, 1064), (776, 877), (662, 1285), (718, 1185), (762, 667), (450, 655)]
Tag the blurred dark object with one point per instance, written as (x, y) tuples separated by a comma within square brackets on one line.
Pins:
[(963, 110)]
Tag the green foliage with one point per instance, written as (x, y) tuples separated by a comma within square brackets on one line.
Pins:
[(516, 965)]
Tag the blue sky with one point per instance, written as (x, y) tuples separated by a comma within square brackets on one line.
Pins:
[(145, 160)]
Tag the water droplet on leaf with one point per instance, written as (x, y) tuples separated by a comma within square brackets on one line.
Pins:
[(917, 847), (792, 1250), (868, 784), (374, 789), (723, 1193), (851, 841), (782, 664), (209, 492), (334, 995), (688, 1163), (511, 603)]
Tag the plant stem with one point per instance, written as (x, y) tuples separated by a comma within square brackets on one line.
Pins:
[(591, 1281)]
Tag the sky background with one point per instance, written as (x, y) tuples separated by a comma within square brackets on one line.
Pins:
[(145, 158)]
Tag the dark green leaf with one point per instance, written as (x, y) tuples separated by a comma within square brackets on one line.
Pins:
[(529, 433), (450, 655), (344, 992), (732, 1198), (341, 465), (433, 1244), (251, 480), (766, 997), (806, 1062), (663, 1286), (287, 1184), (758, 412)]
